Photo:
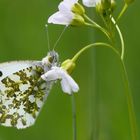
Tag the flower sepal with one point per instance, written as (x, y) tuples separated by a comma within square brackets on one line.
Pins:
[(68, 65), (77, 20), (78, 9)]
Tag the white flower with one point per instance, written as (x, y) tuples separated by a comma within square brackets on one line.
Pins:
[(68, 13), (91, 3), (94, 3), (67, 5), (67, 83), (62, 18)]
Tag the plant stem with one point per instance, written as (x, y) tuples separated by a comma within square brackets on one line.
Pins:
[(132, 117), (95, 25), (74, 117), (121, 37), (98, 44), (100, 28), (122, 11), (90, 20)]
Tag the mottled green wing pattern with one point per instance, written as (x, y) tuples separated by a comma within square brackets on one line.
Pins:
[(22, 95)]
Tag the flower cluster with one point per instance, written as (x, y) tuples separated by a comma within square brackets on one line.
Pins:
[(71, 12)]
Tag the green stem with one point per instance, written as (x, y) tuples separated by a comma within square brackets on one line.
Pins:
[(95, 25), (121, 37), (90, 20), (123, 11), (132, 117), (74, 117), (98, 44)]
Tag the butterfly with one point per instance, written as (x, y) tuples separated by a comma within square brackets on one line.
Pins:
[(23, 91)]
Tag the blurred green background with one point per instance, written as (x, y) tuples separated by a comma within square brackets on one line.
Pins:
[(102, 112)]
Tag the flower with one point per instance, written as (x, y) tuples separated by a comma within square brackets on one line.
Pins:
[(94, 3), (70, 13), (67, 83), (61, 18), (103, 7), (67, 5), (91, 3)]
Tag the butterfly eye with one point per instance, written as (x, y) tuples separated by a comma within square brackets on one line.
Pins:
[(1, 73), (50, 59)]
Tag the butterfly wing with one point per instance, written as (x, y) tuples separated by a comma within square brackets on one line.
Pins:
[(22, 93)]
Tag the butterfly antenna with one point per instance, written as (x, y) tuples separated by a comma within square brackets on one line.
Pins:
[(48, 39), (59, 37)]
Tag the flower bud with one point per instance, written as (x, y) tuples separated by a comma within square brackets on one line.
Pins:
[(105, 7), (99, 8), (77, 20), (106, 4), (68, 65), (78, 9), (128, 1), (113, 5)]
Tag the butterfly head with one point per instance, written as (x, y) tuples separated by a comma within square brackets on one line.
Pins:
[(51, 59)]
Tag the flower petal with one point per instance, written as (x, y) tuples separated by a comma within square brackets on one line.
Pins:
[(65, 86), (52, 75), (61, 18), (68, 84), (91, 3), (66, 5), (71, 1)]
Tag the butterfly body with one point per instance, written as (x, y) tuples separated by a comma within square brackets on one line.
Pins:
[(23, 91)]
